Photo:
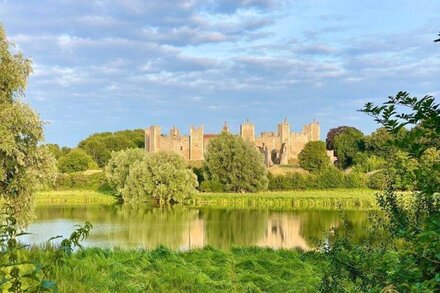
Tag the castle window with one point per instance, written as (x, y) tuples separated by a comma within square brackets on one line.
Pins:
[(181, 148)]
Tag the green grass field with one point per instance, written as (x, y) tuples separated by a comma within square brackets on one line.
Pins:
[(202, 270), (73, 197), (323, 199)]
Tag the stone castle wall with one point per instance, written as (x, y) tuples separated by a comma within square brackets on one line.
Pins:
[(279, 147)]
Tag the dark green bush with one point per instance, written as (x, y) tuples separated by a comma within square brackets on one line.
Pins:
[(329, 178), (377, 180), (211, 186), (354, 180), (80, 180)]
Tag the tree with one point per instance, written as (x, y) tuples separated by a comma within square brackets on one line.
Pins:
[(330, 144), (24, 166), (347, 144), (101, 145), (236, 164), (313, 156), (402, 254), (55, 150), (118, 167), (163, 176), (380, 142), (76, 160)]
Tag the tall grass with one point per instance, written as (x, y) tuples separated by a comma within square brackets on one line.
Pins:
[(203, 270), (73, 197), (321, 199)]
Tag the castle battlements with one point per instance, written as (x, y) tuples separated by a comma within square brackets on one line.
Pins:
[(278, 147)]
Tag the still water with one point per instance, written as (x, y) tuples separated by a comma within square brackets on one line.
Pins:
[(185, 228)]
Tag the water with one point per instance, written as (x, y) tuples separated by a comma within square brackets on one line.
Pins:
[(186, 228)]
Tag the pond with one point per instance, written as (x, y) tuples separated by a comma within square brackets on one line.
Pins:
[(185, 228)]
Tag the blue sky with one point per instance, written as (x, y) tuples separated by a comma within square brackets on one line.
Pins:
[(112, 65)]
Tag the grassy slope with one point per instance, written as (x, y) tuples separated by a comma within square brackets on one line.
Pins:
[(203, 270)]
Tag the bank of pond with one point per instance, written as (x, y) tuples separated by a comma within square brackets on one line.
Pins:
[(201, 246)]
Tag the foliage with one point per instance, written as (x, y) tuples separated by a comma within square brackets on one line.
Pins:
[(101, 145), (313, 157), (236, 164), (82, 181), (211, 186), (365, 162), (163, 176), (402, 253), (347, 144), (332, 133), (381, 142), (327, 178), (76, 160), (119, 165), (25, 166), (377, 180)]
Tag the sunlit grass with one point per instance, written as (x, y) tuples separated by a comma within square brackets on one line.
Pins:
[(202, 270), (74, 197)]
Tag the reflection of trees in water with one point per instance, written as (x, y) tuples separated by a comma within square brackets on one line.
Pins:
[(180, 227), (130, 225), (225, 228), (315, 225)]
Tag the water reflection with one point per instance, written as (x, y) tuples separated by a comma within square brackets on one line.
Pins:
[(185, 228)]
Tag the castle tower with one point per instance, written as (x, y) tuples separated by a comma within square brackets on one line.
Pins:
[(174, 132), (247, 131), (315, 131), (152, 138), (284, 131), (226, 127), (196, 143)]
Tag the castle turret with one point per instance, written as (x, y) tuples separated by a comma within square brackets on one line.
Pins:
[(284, 131), (247, 131), (196, 143), (152, 138), (174, 132), (226, 127)]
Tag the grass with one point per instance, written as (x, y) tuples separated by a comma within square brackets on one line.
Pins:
[(73, 197), (323, 199), (202, 270)]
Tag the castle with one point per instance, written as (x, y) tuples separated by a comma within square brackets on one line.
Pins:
[(278, 148)]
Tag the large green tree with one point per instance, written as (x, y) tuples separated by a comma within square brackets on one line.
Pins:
[(101, 145), (24, 165), (236, 164), (347, 144), (118, 167), (76, 160), (163, 176), (313, 157)]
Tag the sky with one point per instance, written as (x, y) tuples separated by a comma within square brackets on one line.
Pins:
[(110, 65)]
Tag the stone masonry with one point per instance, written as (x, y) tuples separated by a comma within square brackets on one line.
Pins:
[(278, 148)]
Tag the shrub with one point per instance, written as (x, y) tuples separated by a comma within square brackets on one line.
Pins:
[(354, 180), (119, 165), (313, 157), (330, 178), (211, 186), (236, 164), (365, 163), (76, 160), (163, 176), (377, 180), (79, 180)]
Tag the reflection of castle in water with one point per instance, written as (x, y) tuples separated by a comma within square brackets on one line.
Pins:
[(282, 231)]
